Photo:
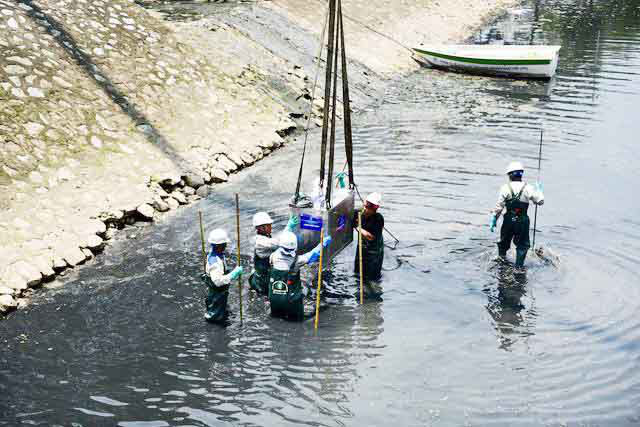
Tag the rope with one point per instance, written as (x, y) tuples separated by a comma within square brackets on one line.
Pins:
[(313, 97), (373, 30)]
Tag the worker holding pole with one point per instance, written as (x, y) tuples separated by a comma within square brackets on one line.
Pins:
[(285, 288), (372, 240), (514, 198), (218, 278)]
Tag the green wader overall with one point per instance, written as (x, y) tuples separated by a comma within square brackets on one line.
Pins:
[(216, 301), (515, 226), (259, 280), (372, 257), (285, 295)]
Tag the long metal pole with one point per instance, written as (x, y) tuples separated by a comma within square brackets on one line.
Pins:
[(315, 326), (238, 240), (535, 217), (204, 250), (360, 257)]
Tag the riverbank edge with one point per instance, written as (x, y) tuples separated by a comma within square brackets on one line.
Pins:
[(179, 189)]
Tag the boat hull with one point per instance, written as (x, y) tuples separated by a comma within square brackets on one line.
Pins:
[(538, 68)]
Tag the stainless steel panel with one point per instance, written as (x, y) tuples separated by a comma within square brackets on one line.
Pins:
[(338, 223)]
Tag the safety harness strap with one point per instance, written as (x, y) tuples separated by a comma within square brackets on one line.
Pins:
[(332, 139), (327, 88), (346, 102), (513, 195)]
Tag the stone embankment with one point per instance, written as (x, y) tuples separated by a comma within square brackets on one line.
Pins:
[(110, 115)]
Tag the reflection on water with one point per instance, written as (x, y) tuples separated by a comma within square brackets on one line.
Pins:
[(506, 305), (124, 341)]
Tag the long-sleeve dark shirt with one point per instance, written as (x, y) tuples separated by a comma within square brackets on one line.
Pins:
[(374, 224)]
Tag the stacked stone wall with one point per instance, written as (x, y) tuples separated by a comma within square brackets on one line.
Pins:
[(105, 117)]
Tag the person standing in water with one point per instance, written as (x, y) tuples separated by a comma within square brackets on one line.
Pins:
[(265, 245), (514, 198), (285, 288), (372, 240), (218, 278)]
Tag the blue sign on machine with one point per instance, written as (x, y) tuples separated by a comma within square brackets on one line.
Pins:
[(309, 222)]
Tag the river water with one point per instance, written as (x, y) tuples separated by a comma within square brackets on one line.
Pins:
[(457, 340)]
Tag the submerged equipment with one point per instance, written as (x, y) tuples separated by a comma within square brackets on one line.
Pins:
[(332, 211)]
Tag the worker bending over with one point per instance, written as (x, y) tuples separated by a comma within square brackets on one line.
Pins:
[(285, 289), (265, 245), (218, 278), (514, 198), (372, 240)]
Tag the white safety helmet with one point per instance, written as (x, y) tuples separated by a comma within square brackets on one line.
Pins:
[(261, 218), (374, 199), (288, 241), (514, 166), (218, 237)]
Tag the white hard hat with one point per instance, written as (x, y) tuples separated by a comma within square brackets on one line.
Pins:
[(218, 237), (374, 199), (261, 218), (288, 241), (514, 166)]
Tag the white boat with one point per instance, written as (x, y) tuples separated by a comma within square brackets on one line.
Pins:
[(528, 61)]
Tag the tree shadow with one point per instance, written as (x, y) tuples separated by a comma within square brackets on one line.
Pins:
[(101, 79)]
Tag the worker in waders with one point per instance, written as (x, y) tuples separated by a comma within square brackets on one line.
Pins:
[(514, 198), (372, 240), (218, 278), (285, 288), (265, 245)]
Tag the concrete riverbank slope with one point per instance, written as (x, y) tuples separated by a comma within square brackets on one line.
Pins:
[(110, 114)]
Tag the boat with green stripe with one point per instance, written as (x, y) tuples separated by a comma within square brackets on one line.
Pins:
[(522, 61)]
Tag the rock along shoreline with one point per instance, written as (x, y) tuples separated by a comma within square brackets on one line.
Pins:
[(112, 114)]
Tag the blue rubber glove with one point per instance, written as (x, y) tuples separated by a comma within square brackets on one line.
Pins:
[(538, 187), (341, 179), (493, 223), (235, 273), (315, 254), (293, 222)]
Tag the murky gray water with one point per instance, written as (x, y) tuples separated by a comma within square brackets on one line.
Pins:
[(457, 340)]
